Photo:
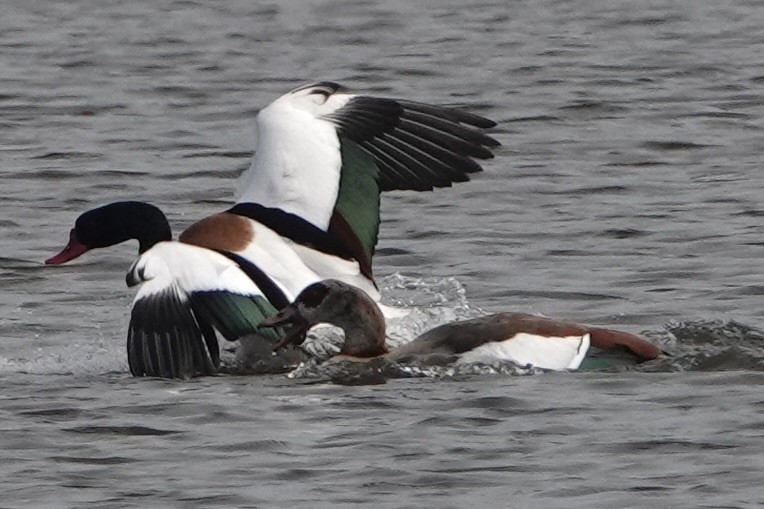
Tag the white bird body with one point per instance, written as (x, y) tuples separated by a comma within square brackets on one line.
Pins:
[(546, 352)]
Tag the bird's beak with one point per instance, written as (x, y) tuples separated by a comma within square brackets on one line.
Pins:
[(288, 316), (72, 250)]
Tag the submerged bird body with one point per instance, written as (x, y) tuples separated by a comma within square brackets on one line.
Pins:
[(517, 337), (308, 210)]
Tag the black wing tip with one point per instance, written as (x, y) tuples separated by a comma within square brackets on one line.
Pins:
[(457, 113), (491, 142), (464, 125), (453, 113), (165, 341), (158, 364), (417, 146), (481, 122)]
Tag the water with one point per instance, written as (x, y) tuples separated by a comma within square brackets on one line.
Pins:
[(627, 193), (559, 439)]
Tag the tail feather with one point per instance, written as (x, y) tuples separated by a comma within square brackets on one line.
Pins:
[(608, 339)]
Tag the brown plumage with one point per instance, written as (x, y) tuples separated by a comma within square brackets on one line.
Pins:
[(466, 335), (223, 231), (519, 337)]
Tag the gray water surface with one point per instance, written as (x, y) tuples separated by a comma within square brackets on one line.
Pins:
[(627, 192)]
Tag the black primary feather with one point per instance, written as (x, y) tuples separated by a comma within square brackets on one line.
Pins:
[(417, 146)]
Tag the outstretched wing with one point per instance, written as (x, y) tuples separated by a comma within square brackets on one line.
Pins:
[(416, 146), (187, 293), (325, 154)]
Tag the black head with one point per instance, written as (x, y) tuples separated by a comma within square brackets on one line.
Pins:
[(113, 224)]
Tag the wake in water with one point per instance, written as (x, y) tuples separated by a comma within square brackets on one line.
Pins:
[(707, 345), (691, 346)]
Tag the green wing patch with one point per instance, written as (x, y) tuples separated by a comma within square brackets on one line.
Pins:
[(235, 315), (358, 197)]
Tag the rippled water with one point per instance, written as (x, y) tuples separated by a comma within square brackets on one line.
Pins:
[(627, 193), (558, 440)]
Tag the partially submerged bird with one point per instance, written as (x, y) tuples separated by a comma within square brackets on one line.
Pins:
[(517, 337), (308, 210)]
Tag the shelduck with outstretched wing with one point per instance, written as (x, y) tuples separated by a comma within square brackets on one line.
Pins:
[(309, 210), (324, 154)]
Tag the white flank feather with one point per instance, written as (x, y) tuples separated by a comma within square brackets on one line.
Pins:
[(275, 255), (188, 269), (556, 353), (294, 266), (334, 267), (297, 161)]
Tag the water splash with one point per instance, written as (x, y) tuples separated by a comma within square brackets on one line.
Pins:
[(429, 302), (709, 345), (73, 359), (432, 301), (379, 371)]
